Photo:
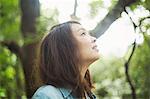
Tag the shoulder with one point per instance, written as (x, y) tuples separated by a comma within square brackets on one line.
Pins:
[(47, 92)]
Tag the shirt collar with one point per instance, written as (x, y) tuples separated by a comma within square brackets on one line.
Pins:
[(65, 92)]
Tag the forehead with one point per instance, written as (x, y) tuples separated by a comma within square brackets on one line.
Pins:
[(76, 28)]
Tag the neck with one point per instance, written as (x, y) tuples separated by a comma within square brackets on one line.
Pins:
[(83, 70)]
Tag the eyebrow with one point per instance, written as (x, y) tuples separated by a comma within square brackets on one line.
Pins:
[(80, 29)]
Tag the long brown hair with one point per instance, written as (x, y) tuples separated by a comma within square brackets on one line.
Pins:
[(59, 60)]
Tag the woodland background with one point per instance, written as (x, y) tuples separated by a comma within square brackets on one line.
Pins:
[(22, 25)]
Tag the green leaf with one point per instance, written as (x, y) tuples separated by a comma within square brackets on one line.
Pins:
[(10, 72), (2, 92)]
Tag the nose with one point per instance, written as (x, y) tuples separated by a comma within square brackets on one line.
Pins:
[(93, 39)]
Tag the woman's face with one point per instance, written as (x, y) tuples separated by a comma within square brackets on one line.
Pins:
[(86, 44)]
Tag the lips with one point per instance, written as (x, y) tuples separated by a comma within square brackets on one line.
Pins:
[(95, 48)]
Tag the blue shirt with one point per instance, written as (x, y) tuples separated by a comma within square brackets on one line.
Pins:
[(51, 92)]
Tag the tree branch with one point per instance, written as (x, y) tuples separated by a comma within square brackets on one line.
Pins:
[(13, 47), (75, 8), (111, 17), (126, 65), (140, 23), (143, 20), (73, 15)]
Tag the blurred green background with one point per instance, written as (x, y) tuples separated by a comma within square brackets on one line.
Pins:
[(17, 37)]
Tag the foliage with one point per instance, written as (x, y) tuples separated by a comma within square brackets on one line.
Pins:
[(109, 75), (11, 70), (9, 20), (10, 73), (46, 21), (109, 78), (140, 69), (144, 3), (96, 5)]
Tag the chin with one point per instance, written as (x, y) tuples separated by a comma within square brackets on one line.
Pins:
[(95, 58)]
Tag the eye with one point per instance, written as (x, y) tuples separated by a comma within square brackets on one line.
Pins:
[(83, 33)]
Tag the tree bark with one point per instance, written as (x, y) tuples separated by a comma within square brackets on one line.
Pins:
[(112, 15), (126, 65), (18, 82), (30, 12)]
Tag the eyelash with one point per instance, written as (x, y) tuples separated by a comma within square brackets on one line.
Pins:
[(83, 33)]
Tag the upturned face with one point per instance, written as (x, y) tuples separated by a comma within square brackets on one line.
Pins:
[(86, 44)]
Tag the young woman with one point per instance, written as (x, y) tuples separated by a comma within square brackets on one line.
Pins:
[(65, 55)]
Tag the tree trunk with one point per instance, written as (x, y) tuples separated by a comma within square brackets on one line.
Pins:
[(112, 15), (30, 12), (18, 81)]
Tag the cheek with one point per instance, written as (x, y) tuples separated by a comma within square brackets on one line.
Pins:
[(85, 50), (84, 42), (84, 47)]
